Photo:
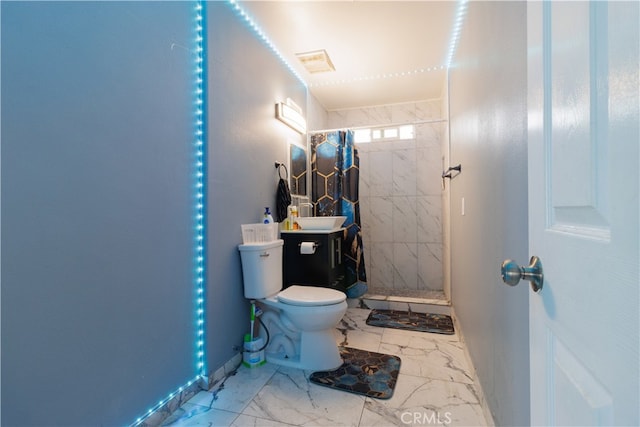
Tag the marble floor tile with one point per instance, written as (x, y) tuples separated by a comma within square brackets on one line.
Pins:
[(238, 389), (421, 335), (424, 401), (424, 356), (248, 421), (290, 397), (354, 331), (434, 387), (190, 414)]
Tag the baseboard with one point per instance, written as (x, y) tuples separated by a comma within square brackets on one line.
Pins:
[(486, 411), (190, 390), (181, 396), (221, 373)]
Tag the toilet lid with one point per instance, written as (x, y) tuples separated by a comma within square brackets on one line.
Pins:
[(310, 295)]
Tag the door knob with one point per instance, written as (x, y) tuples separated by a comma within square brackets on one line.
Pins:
[(512, 273)]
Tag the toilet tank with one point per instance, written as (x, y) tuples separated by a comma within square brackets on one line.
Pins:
[(261, 268)]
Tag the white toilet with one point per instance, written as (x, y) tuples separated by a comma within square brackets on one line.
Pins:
[(300, 320)]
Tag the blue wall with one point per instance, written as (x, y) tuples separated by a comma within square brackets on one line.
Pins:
[(488, 131), (245, 80), (97, 209)]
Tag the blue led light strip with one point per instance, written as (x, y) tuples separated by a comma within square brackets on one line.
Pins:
[(461, 11), (164, 401), (200, 213), (200, 184), (256, 28)]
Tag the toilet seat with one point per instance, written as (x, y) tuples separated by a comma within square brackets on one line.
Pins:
[(310, 296)]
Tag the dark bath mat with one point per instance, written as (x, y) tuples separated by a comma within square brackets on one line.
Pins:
[(363, 372), (419, 322)]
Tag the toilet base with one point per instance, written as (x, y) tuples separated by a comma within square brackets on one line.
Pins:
[(318, 352)]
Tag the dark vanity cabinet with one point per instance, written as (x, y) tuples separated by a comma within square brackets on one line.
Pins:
[(324, 268)]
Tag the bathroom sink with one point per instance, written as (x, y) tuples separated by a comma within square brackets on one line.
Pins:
[(321, 222)]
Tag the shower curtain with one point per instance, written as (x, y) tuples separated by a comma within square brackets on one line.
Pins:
[(334, 191)]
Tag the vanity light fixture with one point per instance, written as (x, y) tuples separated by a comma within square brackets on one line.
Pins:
[(291, 114)]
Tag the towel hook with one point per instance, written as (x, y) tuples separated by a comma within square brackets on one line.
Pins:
[(286, 172), (448, 172)]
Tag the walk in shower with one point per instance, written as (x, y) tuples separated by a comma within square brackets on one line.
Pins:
[(403, 201)]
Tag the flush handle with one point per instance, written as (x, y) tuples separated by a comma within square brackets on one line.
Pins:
[(512, 273), (264, 254)]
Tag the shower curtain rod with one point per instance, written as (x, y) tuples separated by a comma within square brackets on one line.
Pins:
[(420, 122)]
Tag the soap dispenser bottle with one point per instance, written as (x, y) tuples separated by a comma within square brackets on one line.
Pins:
[(294, 218), (267, 218)]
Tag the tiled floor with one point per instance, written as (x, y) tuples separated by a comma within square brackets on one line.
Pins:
[(434, 387)]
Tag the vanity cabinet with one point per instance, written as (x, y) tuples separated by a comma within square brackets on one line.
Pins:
[(324, 268)]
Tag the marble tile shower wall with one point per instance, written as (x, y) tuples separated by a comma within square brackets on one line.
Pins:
[(401, 196)]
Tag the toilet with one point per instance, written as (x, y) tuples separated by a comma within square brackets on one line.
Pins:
[(300, 320)]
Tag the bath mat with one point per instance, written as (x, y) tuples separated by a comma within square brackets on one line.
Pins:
[(419, 322), (363, 372)]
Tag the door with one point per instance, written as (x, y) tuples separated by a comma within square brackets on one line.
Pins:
[(583, 211)]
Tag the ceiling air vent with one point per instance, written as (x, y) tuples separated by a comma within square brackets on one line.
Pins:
[(317, 61)]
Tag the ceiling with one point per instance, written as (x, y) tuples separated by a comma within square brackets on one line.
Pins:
[(384, 52)]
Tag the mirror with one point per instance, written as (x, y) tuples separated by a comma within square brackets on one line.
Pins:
[(298, 162)]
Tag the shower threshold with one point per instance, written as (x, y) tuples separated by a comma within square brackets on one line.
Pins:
[(411, 300)]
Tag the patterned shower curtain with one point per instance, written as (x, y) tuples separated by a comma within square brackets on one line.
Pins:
[(334, 191)]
